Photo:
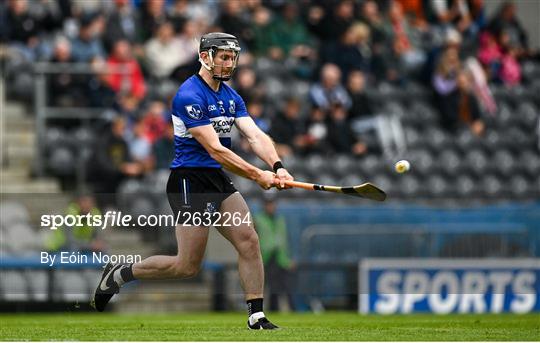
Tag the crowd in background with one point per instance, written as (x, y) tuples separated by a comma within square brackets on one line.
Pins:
[(333, 50)]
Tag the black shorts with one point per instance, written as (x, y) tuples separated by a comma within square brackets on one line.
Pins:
[(198, 190)]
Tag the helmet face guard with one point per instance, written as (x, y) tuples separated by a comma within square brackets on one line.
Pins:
[(212, 43)]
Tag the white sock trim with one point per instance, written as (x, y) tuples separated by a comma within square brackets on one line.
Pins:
[(255, 317)]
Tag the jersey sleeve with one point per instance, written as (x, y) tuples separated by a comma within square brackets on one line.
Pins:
[(241, 110), (191, 110)]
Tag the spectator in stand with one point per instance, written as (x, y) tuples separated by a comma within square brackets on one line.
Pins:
[(341, 138), (260, 29), (233, 21), (153, 14), (87, 45), (99, 92), (329, 90), (445, 78), (164, 51), (460, 107), (289, 37), (65, 89), (21, 29), (506, 21), (140, 147), (84, 238), (163, 148), (127, 106), (406, 40), (336, 19), (361, 104), (153, 122), (510, 68), (490, 55), (315, 134), (112, 162), (247, 84), (122, 23), (131, 79), (380, 38), (178, 14), (188, 37), (255, 109), (345, 52), (286, 128), (414, 10)]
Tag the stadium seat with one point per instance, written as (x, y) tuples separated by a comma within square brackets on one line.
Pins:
[(396, 108), (142, 206), (22, 240), (449, 162), (83, 136), (54, 137), (477, 161), (491, 186), (62, 161), (436, 186), (528, 114), (13, 286), (156, 182), (465, 186), (503, 162), (38, 282), (317, 162), (519, 187), (72, 286), (128, 191), (13, 213), (344, 165), (410, 187), (437, 138), (530, 162)]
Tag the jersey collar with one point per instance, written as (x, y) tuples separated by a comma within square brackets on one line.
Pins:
[(207, 85)]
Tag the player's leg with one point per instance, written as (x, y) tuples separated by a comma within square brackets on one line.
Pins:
[(245, 240), (191, 242)]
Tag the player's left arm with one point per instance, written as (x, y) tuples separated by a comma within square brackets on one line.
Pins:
[(262, 145)]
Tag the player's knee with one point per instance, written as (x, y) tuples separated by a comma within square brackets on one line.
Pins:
[(249, 244)]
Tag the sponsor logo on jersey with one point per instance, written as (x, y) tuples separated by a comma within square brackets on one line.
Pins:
[(212, 108), (223, 125), (194, 111), (232, 107)]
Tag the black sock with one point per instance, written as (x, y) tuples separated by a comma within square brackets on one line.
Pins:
[(255, 305), (127, 273)]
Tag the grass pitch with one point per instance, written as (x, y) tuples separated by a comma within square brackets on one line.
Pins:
[(332, 326)]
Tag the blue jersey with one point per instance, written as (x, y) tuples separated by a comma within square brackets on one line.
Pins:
[(197, 104)]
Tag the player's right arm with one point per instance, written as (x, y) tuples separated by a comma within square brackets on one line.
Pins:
[(208, 138)]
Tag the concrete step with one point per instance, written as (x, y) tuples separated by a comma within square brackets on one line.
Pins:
[(18, 162), (20, 137), (14, 110), (39, 204), (20, 154), (16, 124), (14, 175), (34, 186)]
